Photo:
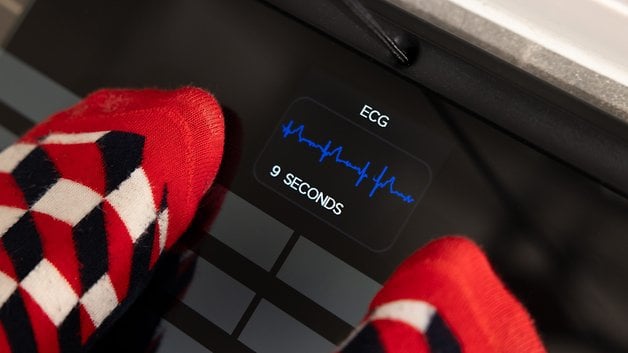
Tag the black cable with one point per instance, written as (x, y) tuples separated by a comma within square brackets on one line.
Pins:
[(365, 16)]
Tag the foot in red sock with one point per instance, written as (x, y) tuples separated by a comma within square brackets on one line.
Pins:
[(446, 299), (89, 200)]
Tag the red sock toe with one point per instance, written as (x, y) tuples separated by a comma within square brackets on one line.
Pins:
[(90, 199), (449, 294), (179, 141)]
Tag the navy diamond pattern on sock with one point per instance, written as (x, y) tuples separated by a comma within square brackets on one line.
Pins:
[(122, 153), (366, 341), (23, 243), (90, 239), (35, 175), (14, 319), (440, 338)]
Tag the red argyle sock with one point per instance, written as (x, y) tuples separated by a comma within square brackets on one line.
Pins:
[(89, 200), (445, 299)]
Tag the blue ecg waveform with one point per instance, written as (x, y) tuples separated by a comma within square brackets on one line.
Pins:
[(336, 152)]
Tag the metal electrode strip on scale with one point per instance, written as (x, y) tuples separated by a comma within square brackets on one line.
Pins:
[(326, 150)]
